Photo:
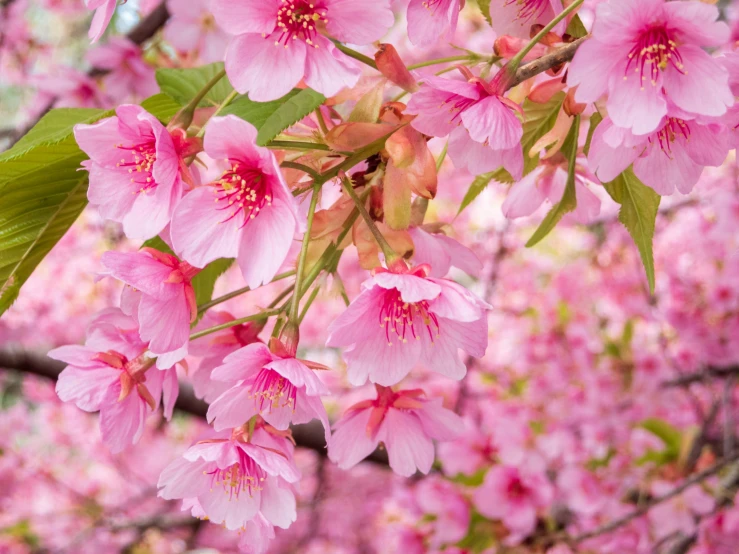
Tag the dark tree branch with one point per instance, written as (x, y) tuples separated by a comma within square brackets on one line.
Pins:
[(308, 436), (707, 374), (546, 62)]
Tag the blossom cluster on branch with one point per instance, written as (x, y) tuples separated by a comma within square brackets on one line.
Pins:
[(273, 194)]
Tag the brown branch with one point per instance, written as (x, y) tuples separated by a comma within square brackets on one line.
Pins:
[(649, 504), (707, 374), (310, 435), (546, 62)]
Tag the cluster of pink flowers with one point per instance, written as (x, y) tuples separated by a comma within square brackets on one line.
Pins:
[(534, 413)]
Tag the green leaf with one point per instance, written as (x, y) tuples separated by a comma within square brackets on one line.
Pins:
[(485, 9), (184, 84), (639, 207), (595, 120), (161, 106), (569, 197), (476, 187), (52, 128), (204, 282), (256, 113), (43, 190), (539, 120), (669, 435), (290, 112), (576, 29), (42, 194)]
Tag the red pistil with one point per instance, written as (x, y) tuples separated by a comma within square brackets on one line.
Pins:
[(243, 191), (653, 52), (297, 19)]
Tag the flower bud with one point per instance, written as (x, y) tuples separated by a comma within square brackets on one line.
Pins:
[(391, 66)]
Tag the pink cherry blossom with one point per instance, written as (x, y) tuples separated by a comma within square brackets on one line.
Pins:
[(192, 28), (451, 511), (104, 10), (280, 388), (254, 476), (671, 157), (678, 514), (128, 74), (215, 347), (135, 169), (646, 52), (441, 252), (547, 183), (404, 317), (406, 422), (248, 214), (431, 20), (515, 497), (111, 374), (287, 34), (484, 131), (164, 305), (516, 17), (68, 87)]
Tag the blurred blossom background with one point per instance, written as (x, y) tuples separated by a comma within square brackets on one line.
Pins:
[(593, 397)]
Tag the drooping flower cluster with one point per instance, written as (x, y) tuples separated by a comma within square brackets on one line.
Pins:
[(571, 412)]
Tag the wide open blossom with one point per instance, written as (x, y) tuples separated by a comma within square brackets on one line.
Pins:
[(192, 28), (270, 383), (104, 10), (548, 182), (431, 20), (514, 496), (646, 52), (287, 34), (213, 348), (248, 214), (163, 301), (516, 17), (484, 131), (406, 422), (111, 374), (135, 166), (673, 156), (233, 477), (404, 317)]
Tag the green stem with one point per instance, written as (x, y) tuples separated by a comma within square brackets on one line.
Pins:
[(206, 89), (308, 303), (296, 145), (466, 57), (183, 118), (354, 54), (321, 122), (442, 156), (261, 315), (233, 294), (518, 58), (304, 252), (226, 102), (388, 252), (304, 168)]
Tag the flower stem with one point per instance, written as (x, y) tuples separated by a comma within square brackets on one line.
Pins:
[(233, 294), (261, 315), (226, 102), (183, 118), (354, 54), (387, 251), (308, 303), (518, 58), (464, 58), (321, 121), (296, 145), (294, 307), (304, 168)]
